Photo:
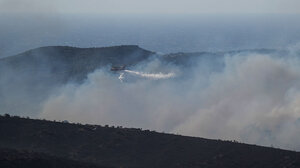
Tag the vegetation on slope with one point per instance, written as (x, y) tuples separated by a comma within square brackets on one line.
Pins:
[(130, 147)]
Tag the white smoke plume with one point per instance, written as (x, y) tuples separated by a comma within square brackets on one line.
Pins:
[(152, 75), (255, 98)]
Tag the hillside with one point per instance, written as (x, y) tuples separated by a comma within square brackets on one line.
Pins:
[(130, 147), (11, 158), (30, 77)]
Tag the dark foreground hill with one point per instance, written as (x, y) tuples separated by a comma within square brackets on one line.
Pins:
[(128, 147), (11, 158)]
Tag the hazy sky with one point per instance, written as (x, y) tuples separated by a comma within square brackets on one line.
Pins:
[(150, 6)]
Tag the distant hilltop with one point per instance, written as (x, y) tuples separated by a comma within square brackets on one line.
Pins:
[(71, 63)]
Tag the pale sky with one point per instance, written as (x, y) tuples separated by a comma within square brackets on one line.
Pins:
[(150, 6)]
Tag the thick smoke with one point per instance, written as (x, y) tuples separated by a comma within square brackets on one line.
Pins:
[(254, 98)]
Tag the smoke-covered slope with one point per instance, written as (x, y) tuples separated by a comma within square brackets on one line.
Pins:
[(123, 147), (29, 78), (182, 58)]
